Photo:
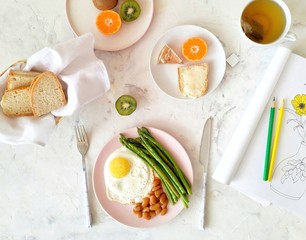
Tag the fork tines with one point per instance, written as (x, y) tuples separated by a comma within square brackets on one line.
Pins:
[(80, 133)]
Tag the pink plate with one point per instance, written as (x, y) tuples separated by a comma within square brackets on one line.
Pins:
[(124, 213)]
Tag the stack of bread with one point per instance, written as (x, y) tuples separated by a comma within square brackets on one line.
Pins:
[(30, 93)]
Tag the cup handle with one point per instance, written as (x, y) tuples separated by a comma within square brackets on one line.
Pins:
[(290, 37)]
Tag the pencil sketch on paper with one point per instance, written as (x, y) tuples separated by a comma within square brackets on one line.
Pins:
[(290, 174)]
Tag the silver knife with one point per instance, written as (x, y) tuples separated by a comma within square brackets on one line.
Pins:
[(203, 158)]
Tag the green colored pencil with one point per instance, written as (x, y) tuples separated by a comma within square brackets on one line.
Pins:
[(269, 140)]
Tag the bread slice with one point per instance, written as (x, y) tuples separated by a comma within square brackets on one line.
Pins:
[(46, 94), (17, 102), (168, 56), (193, 80), (17, 79)]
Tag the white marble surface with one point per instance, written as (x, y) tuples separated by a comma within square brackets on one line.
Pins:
[(41, 190)]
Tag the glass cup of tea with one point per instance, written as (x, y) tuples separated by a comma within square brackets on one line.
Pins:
[(266, 22)]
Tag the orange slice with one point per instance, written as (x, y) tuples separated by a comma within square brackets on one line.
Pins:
[(108, 22), (194, 49)]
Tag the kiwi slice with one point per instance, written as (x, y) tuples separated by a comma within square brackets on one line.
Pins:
[(126, 105), (129, 10)]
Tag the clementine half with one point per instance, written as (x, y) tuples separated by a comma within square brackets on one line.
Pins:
[(108, 22), (194, 49)]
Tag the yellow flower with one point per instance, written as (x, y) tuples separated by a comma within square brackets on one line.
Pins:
[(299, 104)]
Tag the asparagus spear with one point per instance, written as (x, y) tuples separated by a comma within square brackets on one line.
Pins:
[(146, 134)]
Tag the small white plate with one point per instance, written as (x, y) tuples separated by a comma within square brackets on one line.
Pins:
[(82, 15), (166, 76)]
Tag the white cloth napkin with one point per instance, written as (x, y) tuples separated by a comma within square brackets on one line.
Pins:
[(83, 76)]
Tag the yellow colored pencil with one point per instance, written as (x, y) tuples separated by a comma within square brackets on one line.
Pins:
[(276, 138)]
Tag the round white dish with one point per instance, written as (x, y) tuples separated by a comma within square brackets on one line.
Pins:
[(166, 76), (124, 213), (82, 15)]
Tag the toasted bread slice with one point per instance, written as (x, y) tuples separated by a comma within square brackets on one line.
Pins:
[(168, 56), (17, 102), (46, 94), (193, 80), (17, 79)]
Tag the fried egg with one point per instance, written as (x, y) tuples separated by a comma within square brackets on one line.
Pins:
[(127, 177)]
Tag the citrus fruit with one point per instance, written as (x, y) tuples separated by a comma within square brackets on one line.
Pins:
[(194, 49), (108, 22)]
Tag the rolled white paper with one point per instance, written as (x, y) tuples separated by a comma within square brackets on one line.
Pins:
[(239, 142)]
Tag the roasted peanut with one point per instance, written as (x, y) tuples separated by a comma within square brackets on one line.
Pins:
[(162, 197), (145, 202), (157, 211), (146, 216), (137, 208), (158, 192), (165, 202), (156, 182), (164, 205), (163, 212), (138, 213), (147, 209), (155, 206), (156, 188), (153, 200), (152, 214)]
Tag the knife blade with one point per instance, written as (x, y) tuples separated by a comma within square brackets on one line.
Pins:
[(204, 160)]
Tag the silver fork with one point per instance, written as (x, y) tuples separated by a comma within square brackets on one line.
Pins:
[(83, 145)]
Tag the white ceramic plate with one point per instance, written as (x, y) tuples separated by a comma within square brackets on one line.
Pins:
[(166, 76), (82, 15), (124, 213)]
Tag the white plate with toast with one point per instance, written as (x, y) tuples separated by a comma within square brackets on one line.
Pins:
[(82, 15), (166, 75)]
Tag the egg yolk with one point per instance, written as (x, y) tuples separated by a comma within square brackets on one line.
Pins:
[(119, 167)]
